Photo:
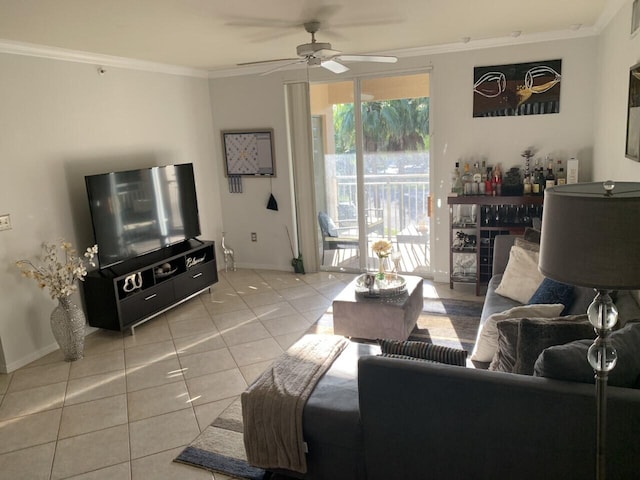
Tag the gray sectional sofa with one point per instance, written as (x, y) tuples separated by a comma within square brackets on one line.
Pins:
[(377, 418)]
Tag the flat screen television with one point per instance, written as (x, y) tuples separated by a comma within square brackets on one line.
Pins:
[(139, 211)]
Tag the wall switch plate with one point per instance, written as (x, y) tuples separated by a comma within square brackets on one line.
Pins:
[(5, 222), (254, 237)]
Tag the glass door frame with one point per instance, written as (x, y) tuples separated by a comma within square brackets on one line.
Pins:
[(363, 240)]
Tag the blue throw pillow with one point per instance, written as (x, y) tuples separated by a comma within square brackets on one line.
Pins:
[(551, 291)]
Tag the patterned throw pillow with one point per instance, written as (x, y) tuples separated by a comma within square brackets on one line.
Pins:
[(423, 350)]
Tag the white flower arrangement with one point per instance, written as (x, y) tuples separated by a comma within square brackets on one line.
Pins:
[(59, 277), (382, 248)]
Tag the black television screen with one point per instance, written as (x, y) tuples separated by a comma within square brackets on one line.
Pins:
[(138, 211)]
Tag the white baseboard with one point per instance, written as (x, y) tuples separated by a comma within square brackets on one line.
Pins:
[(37, 355)]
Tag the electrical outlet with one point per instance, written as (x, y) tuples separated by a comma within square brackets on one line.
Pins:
[(5, 222), (254, 237)]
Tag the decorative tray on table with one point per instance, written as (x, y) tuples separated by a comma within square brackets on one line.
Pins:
[(371, 286)]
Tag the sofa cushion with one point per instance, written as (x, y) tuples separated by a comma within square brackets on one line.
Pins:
[(569, 361), (487, 339), (521, 277), (331, 416), (521, 340), (534, 335), (505, 358), (423, 350), (551, 291)]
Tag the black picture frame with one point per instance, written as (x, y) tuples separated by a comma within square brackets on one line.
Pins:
[(248, 152), (632, 147)]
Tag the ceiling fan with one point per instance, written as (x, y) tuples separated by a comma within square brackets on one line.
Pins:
[(320, 54)]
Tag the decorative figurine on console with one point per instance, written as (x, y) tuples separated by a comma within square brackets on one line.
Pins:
[(228, 256)]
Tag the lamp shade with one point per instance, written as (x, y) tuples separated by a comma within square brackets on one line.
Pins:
[(591, 235)]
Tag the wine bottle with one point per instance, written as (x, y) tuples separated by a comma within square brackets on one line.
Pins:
[(561, 177), (550, 179)]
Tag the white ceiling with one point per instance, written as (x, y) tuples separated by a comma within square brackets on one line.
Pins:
[(215, 34)]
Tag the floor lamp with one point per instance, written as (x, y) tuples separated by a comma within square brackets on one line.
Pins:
[(591, 238)]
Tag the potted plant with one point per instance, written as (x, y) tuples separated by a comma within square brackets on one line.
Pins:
[(60, 277)]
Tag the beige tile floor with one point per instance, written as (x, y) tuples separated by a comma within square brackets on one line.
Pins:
[(133, 403)]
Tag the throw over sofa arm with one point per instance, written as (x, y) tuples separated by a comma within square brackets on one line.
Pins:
[(434, 421)]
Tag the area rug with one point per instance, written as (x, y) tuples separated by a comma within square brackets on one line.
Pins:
[(449, 322), (220, 447)]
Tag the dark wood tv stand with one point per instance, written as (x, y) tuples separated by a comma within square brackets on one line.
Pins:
[(137, 290)]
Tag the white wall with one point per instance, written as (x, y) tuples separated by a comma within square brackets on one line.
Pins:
[(617, 53), (246, 102), (456, 134), (250, 102), (60, 121)]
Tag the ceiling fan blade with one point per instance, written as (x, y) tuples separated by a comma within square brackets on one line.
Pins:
[(261, 22), (334, 66), (282, 67), (259, 62), (368, 58), (326, 53)]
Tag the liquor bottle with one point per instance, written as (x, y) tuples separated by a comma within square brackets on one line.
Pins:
[(526, 185), (541, 181), (467, 180), (456, 180), (561, 177), (496, 182), (488, 187), (535, 186), (550, 179)]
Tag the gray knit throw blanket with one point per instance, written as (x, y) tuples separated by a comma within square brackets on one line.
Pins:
[(272, 406)]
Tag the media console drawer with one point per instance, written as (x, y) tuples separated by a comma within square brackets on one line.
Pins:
[(146, 302), (195, 279)]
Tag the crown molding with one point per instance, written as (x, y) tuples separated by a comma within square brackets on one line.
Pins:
[(54, 53)]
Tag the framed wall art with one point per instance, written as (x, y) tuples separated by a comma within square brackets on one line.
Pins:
[(635, 17), (248, 152), (531, 88), (632, 149)]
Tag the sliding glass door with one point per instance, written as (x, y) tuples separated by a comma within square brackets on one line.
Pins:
[(371, 170)]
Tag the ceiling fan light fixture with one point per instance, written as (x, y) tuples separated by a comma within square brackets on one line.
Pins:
[(334, 66)]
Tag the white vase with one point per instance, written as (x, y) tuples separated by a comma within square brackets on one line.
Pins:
[(68, 327)]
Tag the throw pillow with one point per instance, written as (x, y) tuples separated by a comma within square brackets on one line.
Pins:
[(521, 278), (532, 235), (427, 351), (405, 357), (487, 338), (569, 362), (505, 358), (527, 245), (534, 335), (551, 291), (521, 340)]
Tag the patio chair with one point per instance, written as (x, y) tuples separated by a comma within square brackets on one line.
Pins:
[(333, 238)]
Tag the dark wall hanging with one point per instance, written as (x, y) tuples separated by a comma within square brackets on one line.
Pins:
[(632, 149), (519, 89)]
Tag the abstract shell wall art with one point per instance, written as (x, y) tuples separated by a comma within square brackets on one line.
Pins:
[(518, 89)]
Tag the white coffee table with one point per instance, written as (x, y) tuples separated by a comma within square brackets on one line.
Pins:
[(384, 317)]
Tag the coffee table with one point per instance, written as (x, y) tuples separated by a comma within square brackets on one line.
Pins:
[(384, 317)]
